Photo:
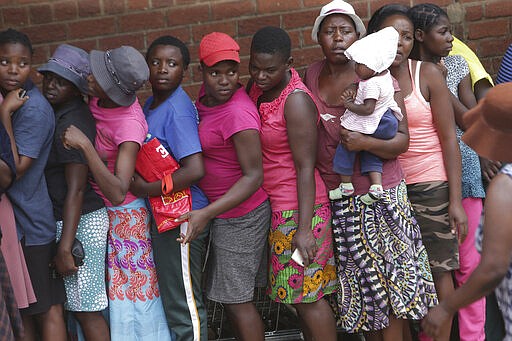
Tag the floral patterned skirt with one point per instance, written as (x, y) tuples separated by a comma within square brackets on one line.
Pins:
[(381, 262), (290, 282), (135, 307)]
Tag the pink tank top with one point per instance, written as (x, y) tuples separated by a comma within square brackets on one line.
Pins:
[(280, 178), (423, 161)]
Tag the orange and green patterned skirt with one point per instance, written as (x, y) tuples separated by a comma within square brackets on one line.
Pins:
[(290, 282)]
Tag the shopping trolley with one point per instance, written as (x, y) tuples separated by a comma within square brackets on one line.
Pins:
[(280, 320)]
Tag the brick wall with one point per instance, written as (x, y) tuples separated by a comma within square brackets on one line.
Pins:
[(103, 24)]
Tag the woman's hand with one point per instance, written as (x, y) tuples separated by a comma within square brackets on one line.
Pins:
[(74, 138), (197, 221), (435, 321), (489, 169), (13, 102), (458, 221), (305, 242), (352, 141), (64, 262)]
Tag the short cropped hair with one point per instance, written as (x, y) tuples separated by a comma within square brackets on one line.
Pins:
[(272, 40), (11, 36), (172, 41)]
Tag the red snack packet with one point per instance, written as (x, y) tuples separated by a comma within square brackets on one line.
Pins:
[(153, 163)]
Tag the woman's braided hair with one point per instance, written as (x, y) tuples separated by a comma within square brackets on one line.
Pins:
[(425, 16)]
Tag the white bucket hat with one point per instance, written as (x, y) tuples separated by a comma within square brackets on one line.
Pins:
[(338, 7), (377, 50)]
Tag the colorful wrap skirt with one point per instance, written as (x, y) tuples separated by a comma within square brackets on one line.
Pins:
[(381, 262), (135, 307), (290, 282)]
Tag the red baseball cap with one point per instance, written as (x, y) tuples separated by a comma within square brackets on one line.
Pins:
[(216, 47)]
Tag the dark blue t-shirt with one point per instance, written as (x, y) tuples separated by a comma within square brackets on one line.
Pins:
[(33, 126), (174, 124)]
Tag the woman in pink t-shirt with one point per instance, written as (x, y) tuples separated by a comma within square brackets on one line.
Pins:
[(239, 209), (135, 307), (301, 216)]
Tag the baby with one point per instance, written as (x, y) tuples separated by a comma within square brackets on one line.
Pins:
[(372, 110)]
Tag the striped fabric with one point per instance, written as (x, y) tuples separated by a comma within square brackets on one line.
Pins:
[(505, 71)]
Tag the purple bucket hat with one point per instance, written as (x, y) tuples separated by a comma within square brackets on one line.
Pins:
[(70, 63)]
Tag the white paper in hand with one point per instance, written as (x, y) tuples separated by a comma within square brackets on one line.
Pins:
[(297, 257)]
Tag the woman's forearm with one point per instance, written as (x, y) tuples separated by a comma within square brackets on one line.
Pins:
[(459, 110), (453, 165), (76, 180), (70, 217), (388, 149), (109, 184), (481, 283), (190, 172), (306, 192), (241, 190)]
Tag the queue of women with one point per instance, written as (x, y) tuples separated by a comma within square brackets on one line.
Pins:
[(353, 193)]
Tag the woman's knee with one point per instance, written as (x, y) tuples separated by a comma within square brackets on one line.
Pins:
[(54, 315), (88, 316)]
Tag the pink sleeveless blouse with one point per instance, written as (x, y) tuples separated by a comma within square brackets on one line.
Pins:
[(423, 161), (280, 178)]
